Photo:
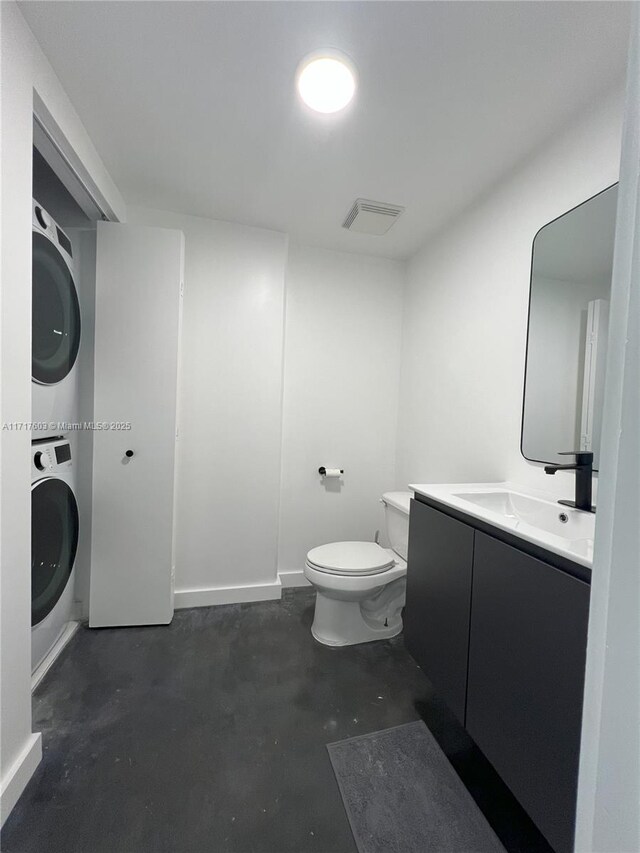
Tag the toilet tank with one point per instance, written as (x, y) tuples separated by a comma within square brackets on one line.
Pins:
[(396, 513)]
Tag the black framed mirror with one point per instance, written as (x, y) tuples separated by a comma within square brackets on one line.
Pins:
[(571, 267)]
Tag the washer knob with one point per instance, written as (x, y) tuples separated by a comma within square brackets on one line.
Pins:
[(41, 460), (42, 217)]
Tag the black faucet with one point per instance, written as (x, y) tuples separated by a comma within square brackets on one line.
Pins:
[(584, 476)]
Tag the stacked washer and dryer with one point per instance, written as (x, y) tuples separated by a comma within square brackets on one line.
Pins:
[(54, 509)]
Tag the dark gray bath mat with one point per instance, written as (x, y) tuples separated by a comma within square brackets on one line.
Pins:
[(402, 795)]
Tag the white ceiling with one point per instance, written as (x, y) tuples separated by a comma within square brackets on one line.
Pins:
[(193, 109)]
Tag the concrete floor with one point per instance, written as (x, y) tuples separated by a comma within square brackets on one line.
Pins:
[(210, 734)]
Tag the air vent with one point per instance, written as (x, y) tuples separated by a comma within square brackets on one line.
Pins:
[(371, 217)]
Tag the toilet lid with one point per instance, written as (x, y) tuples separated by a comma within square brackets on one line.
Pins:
[(351, 558)]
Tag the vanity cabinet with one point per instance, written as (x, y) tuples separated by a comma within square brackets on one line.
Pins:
[(527, 651), (502, 636), (436, 617)]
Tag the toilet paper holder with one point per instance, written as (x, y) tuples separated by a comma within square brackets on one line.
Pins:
[(330, 472)]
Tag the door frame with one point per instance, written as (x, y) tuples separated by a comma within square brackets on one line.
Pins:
[(56, 149), (608, 812)]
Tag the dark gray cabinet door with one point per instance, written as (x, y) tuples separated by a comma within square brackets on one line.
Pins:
[(526, 677), (436, 618)]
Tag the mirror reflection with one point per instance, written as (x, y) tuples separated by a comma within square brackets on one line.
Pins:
[(568, 325)]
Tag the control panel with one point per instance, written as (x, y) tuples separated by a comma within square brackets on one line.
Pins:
[(48, 456)]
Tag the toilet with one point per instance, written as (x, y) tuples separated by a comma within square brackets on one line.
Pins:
[(360, 586)]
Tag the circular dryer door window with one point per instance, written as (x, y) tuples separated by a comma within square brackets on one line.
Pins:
[(55, 314), (54, 541)]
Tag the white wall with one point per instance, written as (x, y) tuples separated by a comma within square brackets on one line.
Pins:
[(230, 409), (23, 70), (465, 320), (342, 367), (242, 475)]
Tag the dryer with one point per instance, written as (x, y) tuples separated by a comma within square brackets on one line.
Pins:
[(55, 326), (54, 542)]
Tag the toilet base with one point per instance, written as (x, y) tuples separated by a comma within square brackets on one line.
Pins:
[(345, 623)]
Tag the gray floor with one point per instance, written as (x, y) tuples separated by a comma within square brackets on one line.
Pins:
[(210, 735), (207, 735)]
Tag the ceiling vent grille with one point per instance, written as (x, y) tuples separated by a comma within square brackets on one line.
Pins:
[(371, 217)]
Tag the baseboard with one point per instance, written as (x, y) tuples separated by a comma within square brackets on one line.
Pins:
[(16, 778), (296, 578), (227, 595), (45, 665)]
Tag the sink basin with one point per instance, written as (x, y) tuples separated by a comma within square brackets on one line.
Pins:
[(538, 518), (551, 517)]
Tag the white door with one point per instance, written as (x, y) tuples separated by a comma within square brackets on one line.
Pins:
[(138, 309)]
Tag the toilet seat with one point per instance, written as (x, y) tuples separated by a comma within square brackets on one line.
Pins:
[(350, 558)]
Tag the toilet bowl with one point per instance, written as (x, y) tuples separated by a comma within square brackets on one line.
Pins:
[(360, 586)]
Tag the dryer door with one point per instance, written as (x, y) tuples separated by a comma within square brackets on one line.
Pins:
[(54, 541), (55, 314)]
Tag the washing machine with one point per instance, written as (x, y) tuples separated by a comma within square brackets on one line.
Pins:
[(55, 327), (54, 542)]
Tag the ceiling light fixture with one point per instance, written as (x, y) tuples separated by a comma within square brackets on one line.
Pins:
[(326, 81)]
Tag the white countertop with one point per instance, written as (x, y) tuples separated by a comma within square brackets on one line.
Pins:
[(530, 514)]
